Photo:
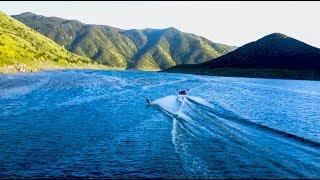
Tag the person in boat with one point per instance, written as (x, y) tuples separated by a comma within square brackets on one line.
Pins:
[(183, 92)]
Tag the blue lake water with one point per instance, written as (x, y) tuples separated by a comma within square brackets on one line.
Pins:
[(80, 123)]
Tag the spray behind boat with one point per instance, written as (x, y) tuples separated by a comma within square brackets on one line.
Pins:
[(182, 94)]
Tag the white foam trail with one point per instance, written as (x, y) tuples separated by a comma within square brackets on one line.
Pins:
[(183, 102), (199, 100), (168, 104), (174, 134), (195, 121), (190, 124), (13, 92), (189, 119), (173, 106)]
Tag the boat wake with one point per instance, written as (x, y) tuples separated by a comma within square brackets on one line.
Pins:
[(214, 142)]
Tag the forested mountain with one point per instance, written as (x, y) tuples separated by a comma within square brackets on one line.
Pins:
[(142, 49)]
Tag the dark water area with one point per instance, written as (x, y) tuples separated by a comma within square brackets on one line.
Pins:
[(81, 123)]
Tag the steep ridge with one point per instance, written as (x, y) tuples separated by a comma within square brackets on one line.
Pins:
[(141, 49)]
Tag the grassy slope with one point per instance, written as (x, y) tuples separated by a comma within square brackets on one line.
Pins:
[(142, 49), (23, 49)]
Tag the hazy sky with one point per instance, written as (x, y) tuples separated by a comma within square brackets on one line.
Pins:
[(233, 23)]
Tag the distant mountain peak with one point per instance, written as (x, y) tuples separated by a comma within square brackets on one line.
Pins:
[(27, 14), (274, 36), (172, 28), (274, 51)]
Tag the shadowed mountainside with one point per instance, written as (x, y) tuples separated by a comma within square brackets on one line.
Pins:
[(275, 55)]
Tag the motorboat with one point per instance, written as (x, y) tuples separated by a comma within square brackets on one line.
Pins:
[(182, 94)]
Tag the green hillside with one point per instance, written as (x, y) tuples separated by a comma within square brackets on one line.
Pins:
[(142, 49), (22, 49)]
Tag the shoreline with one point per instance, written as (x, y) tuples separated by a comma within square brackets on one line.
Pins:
[(310, 75), (244, 73), (62, 69)]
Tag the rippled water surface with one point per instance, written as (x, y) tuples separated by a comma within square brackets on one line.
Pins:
[(81, 123)]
